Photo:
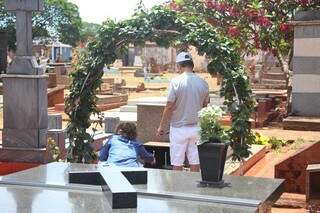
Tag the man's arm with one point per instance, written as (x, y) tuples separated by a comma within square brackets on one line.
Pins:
[(206, 101), (166, 117)]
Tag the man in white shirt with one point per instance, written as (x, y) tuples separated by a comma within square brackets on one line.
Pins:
[(188, 94)]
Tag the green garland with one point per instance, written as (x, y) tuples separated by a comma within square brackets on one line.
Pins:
[(166, 28)]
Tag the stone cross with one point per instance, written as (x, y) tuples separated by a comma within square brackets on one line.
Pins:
[(23, 10), (116, 182)]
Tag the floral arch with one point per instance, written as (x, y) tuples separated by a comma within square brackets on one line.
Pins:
[(165, 28)]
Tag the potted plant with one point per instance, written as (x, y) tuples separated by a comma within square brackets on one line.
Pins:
[(213, 145)]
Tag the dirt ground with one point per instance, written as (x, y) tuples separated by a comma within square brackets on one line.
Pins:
[(133, 81)]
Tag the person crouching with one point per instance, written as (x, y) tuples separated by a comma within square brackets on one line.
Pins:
[(123, 148)]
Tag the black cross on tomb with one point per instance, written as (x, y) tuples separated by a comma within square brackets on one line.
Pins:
[(116, 183)]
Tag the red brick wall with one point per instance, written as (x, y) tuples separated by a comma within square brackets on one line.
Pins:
[(293, 169), (56, 96)]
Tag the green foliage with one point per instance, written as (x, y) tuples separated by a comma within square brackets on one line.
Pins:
[(276, 143), (272, 141), (261, 139), (211, 130), (60, 19), (89, 31), (165, 27)]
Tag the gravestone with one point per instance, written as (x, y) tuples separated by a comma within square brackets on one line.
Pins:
[(114, 181), (111, 124), (139, 73), (25, 103), (3, 52), (55, 121), (312, 182), (293, 168), (148, 120), (306, 64), (107, 187)]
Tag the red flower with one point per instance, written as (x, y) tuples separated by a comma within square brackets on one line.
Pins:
[(257, 42), (303, 2), (222, 7), (233, 12), (209, 4), (233, 31), (174, 6), (251, 13), (263, 21), (285, 27)]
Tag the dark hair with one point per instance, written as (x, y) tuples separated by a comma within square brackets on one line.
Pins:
[(186, 64), (128, 130)]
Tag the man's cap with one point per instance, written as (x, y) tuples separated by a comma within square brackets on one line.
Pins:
[(183, 56)]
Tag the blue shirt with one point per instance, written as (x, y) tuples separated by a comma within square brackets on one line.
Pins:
[(121, 151)]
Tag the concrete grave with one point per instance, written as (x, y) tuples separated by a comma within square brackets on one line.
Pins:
[(114, 181), (25, 88), (293, 168), (148, 120), (312, 182), (56, 95), (306, 65), (111, 124), (145, 188), (55, 121), (52, 80), (25, 124), (139, 73), (62, 75)]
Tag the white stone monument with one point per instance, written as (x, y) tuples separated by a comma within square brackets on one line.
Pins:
[(306, 64), (25, 100)]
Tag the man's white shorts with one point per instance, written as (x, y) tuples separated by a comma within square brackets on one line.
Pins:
[(183, 143)]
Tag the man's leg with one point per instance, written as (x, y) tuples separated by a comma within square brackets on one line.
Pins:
[(177, 168), (192, 150), (195, 168), (177, 148)]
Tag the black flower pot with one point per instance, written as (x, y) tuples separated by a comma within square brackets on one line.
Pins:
[(212, 159)]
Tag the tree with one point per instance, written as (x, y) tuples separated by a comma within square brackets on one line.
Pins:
[(253, 24), (59, 20), (89, 31)]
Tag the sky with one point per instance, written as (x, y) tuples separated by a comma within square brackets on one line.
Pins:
[(97, 11)]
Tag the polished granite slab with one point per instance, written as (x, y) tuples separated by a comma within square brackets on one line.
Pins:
[(243, 187), (15, 199), (115, 182), (247, 192), (56, 175)]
